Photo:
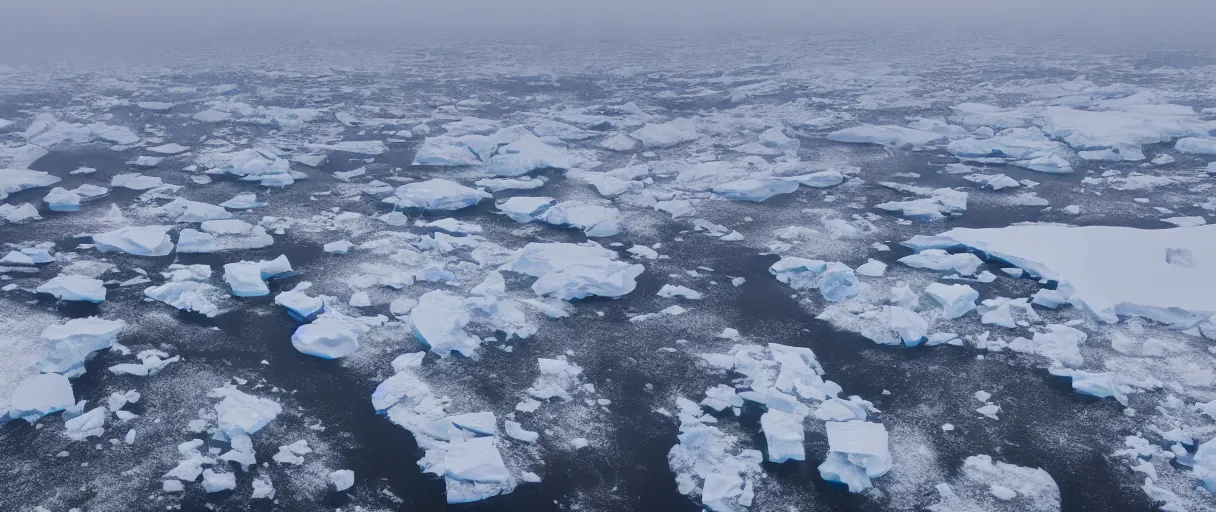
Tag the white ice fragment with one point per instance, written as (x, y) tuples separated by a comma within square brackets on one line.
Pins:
[(75, 287), (342, 479), (138, 241), (955, 299), (436, 194), (39, 396), (248, 278)]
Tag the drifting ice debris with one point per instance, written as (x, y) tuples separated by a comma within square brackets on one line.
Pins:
[(89, 424), (218, 482), (69, 344), (909, 326), (955, 299), (299, 304), (171, 148), (223, 235), (669, 291), (872, 268), (316, 160), (619, 142), (516, 431), (24, 213), (755, 189), (138, 241), (89, 191), (187, 289), (358, 147), (248, 278), (151, 361), (574, 271), (1099, 384), (1196, 146), (704, 465), (243, 414), (436, 194), (857, 452), (341, 479), (936, 204), (1021, 147), (184, 210), (525, 155), (293, 453), (993, 181), (1060, 343), (439, 320), (75, 287), (888, 135), (783, 435), (135, 181), (963, 263), (60, 199), (27, 257), (249, 165), (339, 247), (445, 152), (16, 180), (331, 336), (556, 379), (594, 220), (1186, 222), (663, 135), (820, 179), (835, 280), (525, 209), (41, 395)]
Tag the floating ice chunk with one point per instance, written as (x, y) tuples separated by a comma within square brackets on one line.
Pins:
[(41, 395), (889, 135), (838, 282), (89, 424), (556, 379), (24, 213), (445, 152), (88, 191), (1205, 464), (955, 299), (669, 291), (138, 241), (293, 453), (857, 452), (223, 235), (937, 203), (338, 247), (218, 482), (525, 155), (525, 209), (187, 296), (240, 413), (784, 436), (436, 194), (184, 210), (911, 328), (594, 220), (341, 479), (171, 148), (60, 199), (872, 268), (155, 105), (1099, 384), (1196, 146), (937, 259), (704, 465), (676, 208), (211, 116), (439, 320), (1022, 147), (993, 181), (69, 344), (619, 142), (755, 189), (16, 180), (1186, 222), (608, 185), (1060, 343), (982, 479), (574, 271), (516, 431), (248, 278), (75, 287), (135, 181), (1048, 298), (331, 336), (663, 135), (474, 470), (359, 147), (300, 304)]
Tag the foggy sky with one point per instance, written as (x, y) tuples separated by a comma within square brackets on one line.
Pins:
[(34, 22)]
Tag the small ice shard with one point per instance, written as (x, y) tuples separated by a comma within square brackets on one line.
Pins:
[(342, 479), (594, 220), (857, 452), (889, 135), (436, 194), (248, 278), (41, 395), (755, 189), (138, 241), (955, 299), (663, 135), (525, 209), (75, 287), (60, 199)]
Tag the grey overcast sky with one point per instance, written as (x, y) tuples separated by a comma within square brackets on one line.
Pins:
[(34, 20)]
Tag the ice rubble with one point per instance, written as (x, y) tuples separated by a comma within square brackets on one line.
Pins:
[(69, 345), (75, 287), (528, 153), (934, 204), (857, 452), (594, 220), (889, 135), (982, 482), (463, 449), (436, 194), (1021, 147), (16, 180), (138, 241), (705, 465), (223, 235), (185, 210), (1113, 270), (574, 271), (249, 165), (248, 278)]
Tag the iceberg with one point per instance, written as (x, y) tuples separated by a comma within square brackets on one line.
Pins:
[(619, 143), (436, 194), (299, 304), (249, 165), (574, 271), (187, 293), (955, 299), (75, 287), (594, 220), (248, 278), (835, 281), (41, 395), (331, 336), (755, 189), (137, 241), (664, 135), (69, 345), (60, 199), (858, 451), (887, 135)]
